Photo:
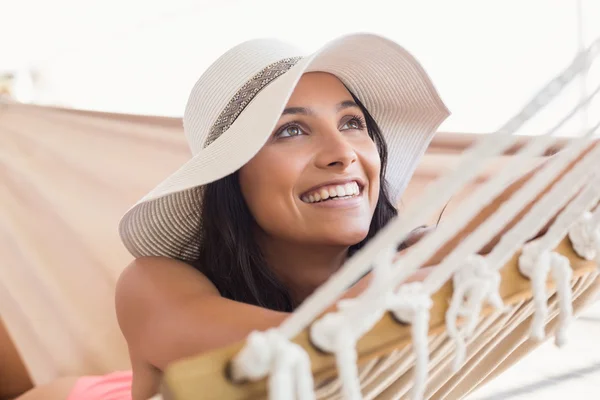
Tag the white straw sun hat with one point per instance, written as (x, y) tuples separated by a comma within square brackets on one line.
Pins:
[(234, 106)]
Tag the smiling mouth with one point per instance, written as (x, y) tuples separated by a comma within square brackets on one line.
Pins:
[(333, 192)]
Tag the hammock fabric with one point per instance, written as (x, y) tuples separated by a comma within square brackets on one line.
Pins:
[(67, 177)]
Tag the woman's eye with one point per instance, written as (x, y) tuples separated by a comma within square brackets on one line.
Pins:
[(353, 124), (289, 131)]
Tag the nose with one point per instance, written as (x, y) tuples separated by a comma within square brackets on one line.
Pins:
[(335, 151)]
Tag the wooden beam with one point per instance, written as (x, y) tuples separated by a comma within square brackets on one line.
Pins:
[(205, 375)]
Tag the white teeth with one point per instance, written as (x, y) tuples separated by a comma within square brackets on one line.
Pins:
[(333, 192), (349, 188)]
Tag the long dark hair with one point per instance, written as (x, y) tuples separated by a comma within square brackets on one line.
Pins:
[(231, 258)]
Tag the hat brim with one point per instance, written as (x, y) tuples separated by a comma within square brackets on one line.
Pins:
[(386, 78)]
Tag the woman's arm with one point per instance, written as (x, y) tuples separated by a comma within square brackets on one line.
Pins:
[(168, 310)]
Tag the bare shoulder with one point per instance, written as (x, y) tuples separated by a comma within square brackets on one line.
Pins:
[(150, 286), (152, 274), (168, 310)]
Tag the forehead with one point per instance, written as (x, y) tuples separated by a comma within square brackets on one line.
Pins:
[(319, 87)]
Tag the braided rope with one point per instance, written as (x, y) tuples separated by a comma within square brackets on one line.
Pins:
[(435, 196)]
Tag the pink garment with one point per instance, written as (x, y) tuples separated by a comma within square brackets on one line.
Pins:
[(113, 386)]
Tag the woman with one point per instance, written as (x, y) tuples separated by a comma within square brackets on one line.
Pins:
[(297, 162)]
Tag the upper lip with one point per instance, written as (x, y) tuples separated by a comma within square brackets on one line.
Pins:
[(359, 181)]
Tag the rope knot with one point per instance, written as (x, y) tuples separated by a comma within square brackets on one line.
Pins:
[(585, 237), (474, 282), (325, 332), (271, 354), (562, 274), (477, 282), (536, 262), (411, 304), (337, 332), (409, 300)]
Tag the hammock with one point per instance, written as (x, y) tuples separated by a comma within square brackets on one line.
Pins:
[(56, 254), (60, 201), (511, 270)]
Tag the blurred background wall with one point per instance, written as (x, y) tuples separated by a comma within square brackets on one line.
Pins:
[(486, 57)]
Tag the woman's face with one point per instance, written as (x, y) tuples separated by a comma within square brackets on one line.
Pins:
[(316, 180)]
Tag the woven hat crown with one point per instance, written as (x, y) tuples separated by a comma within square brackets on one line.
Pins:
[(217, 87)]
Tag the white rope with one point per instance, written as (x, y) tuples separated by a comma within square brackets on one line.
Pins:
[(411, 304), (537, 259), (585, 236), (508, 210), (481, 235), (544, 209), (505, 213), (573, 213), (288, 367), (435, 196), (471, 206), (474, 283), (562, 275), (579, 224), (478, 238), (535, 265), (595, 217), (286, 364), (338, 332), (486, 192), (535, 262)]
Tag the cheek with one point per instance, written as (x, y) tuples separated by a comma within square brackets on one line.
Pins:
[(371, 163), (267, 184)]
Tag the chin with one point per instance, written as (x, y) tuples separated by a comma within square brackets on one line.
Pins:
[(347, 237)]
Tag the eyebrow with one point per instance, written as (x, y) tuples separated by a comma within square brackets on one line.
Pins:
[(307, 111), (346, 104)]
